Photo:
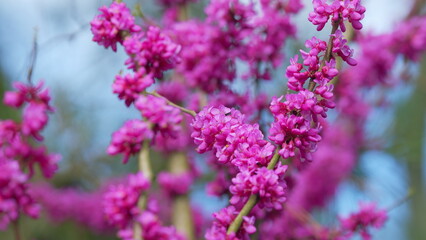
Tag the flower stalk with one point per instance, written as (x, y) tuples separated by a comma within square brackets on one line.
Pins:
[(182, 109), (181, 213), (145, 168), (251, 202)]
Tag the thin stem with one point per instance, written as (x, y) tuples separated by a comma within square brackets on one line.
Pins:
[(16, 231), (137, 12), (33, 57), (236, 224), (401, 201), (182, 109), (251, 202)]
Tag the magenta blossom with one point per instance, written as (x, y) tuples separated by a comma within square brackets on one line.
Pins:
[(368, 216), (129, 87), (267, 184), (129, 138), (164, 118), (112, 24), (350, 10), (154, 52), (120, 202)]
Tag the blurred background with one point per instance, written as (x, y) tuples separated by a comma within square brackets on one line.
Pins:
[(79, 74)]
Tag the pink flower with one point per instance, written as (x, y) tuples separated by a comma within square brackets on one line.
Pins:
[(154, 52), (165, 119), (121, 201), (207, 63), (129, 138), (296, 125), (341, 48), (27, 93), (34, 119), (14, 196), (267, 184), (60, 205), (223, 219), (109, 26), (152, 229), (212, 125), (35, 113), (350, 10), (368, 216), (129, 87), (175, 184), (48, 162)]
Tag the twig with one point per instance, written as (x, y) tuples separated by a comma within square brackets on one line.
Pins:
[(251, 202), (182, 109), (33, 57), (401, 201)]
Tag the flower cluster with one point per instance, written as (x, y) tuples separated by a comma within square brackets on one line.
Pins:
[(368, 216), (350, 10), (234, 31), (267, 184), (129, 138), (164, 118), (175, 184), (121, 210), (292, 128), (269, 32), (14, 194), (242, 146), (60, 205), (129, 87), (35, 113), (206, 63), (222, 130), (223, 219), (19, 152), (237, 33), (110, 27), (152, 228), (152, 53), (120, 202), (297, 120)]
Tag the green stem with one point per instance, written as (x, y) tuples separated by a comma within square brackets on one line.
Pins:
[(145, 168), (251, 202), (182, 109), (181, 214)]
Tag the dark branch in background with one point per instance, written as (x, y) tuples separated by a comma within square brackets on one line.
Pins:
[(16, 230), (33, 57), (416, 9)]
